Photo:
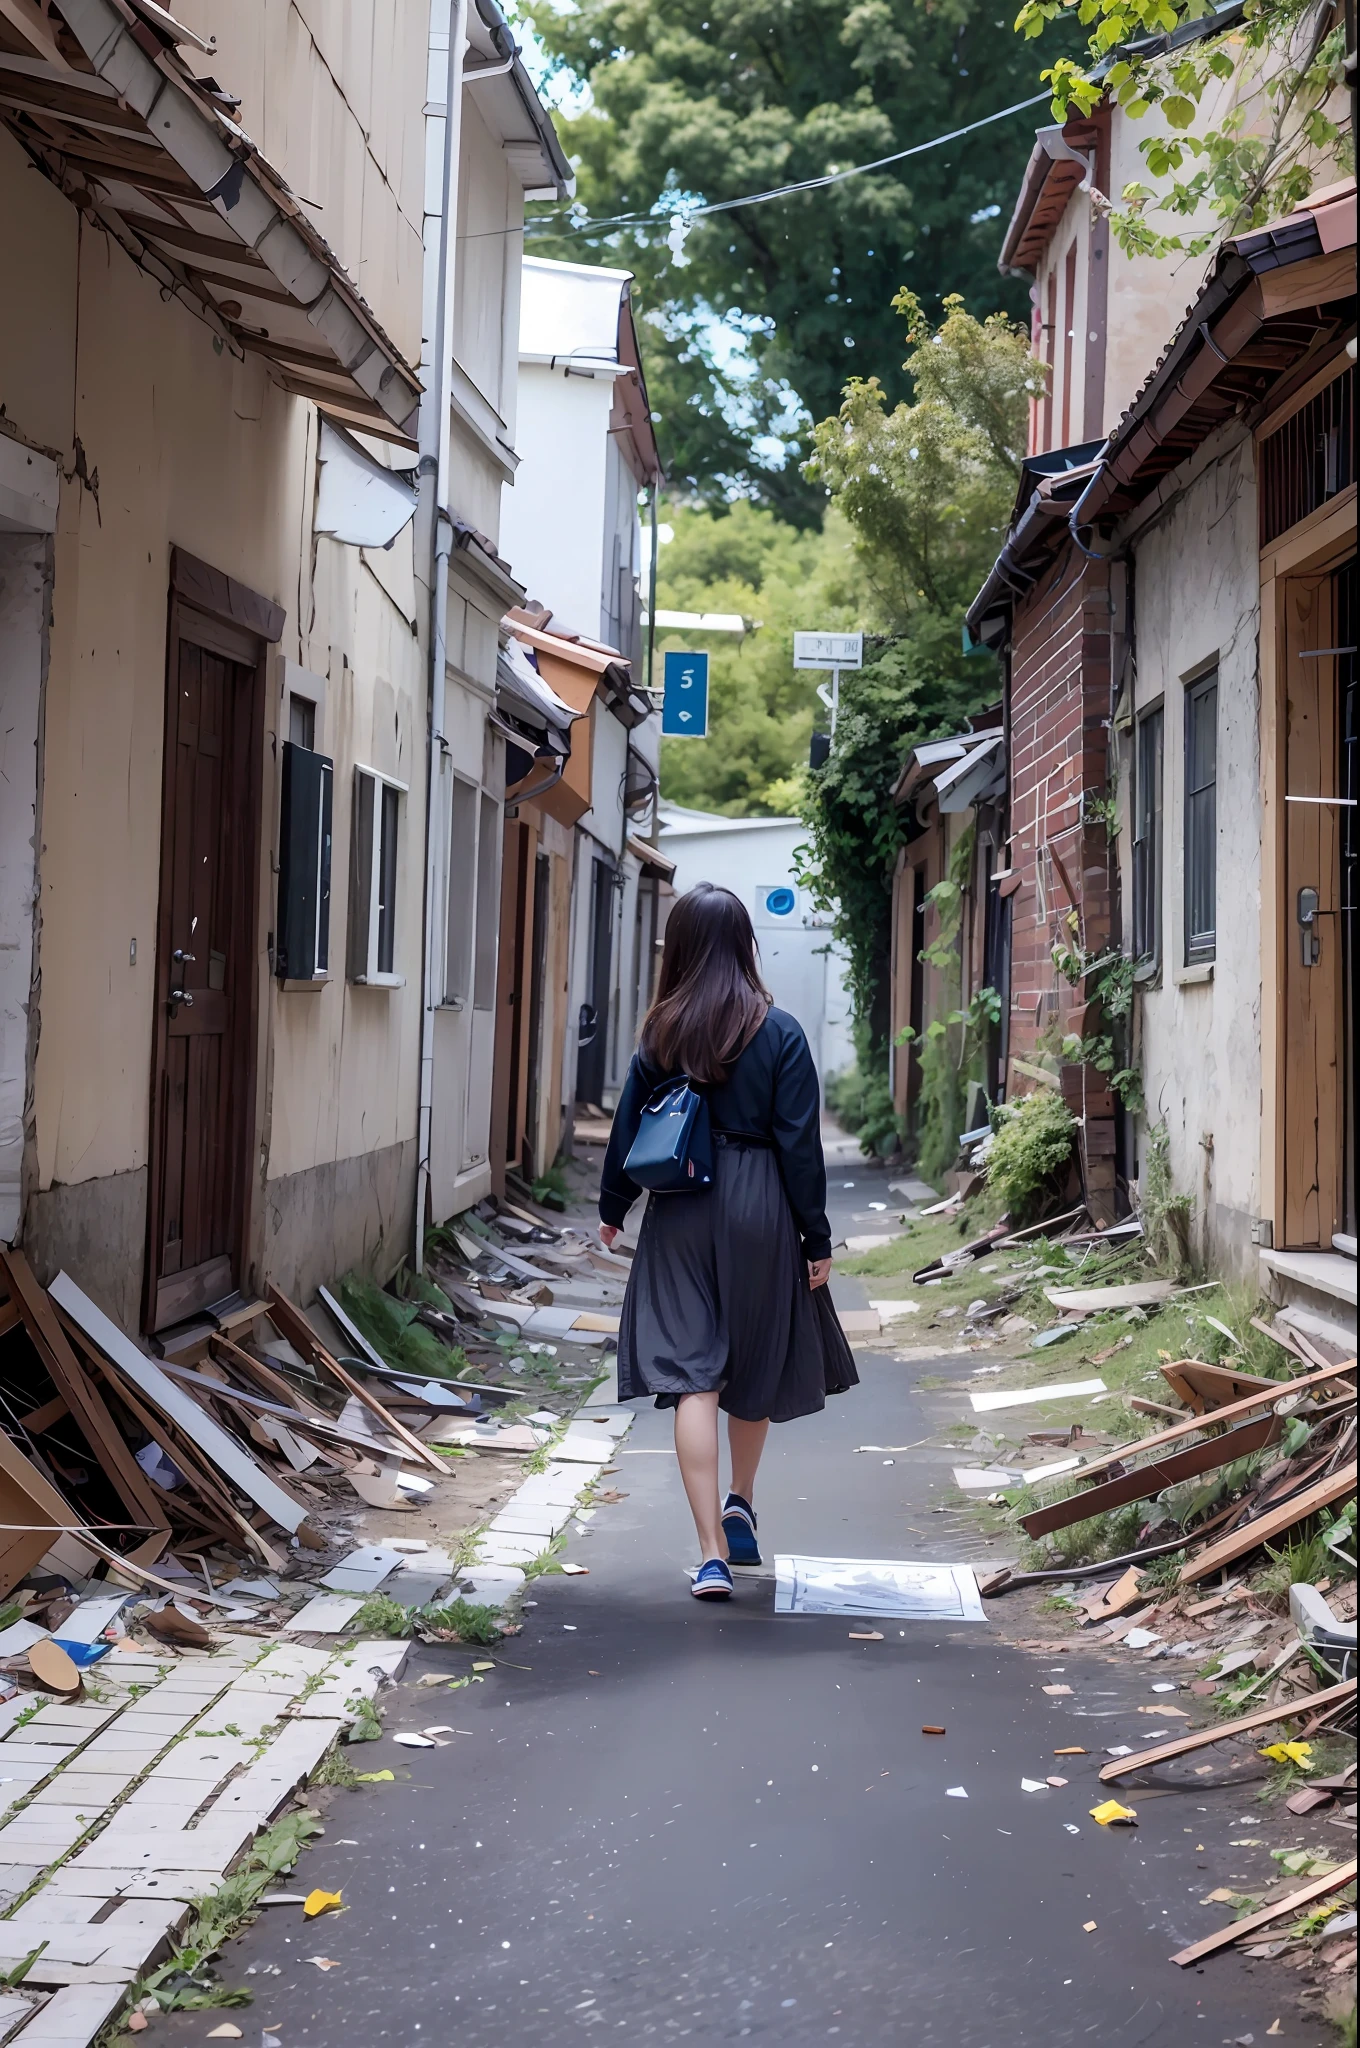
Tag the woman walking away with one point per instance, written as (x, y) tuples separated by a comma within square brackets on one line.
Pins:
[(727, 1304)]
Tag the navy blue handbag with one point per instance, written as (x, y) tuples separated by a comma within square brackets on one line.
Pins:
[(672, 1153)]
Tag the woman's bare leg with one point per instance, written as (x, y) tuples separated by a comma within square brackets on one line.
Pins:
[(746, 1441), (696, 1447)]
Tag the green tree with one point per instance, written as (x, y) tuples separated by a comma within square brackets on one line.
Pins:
[(927, 488), (707, 100), (761, 710), (1249, 116)]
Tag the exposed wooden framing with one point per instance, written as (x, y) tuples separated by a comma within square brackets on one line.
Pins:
[(80, 1395), (1148, 1480), (1295, 1902), (1228, 1413), (298, 1331), (10, 1317), (1204, 1738), (1253, 1534)]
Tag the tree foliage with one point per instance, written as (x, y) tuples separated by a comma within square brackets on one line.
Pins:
[(747, 561), (926, 488), (762, 312), (1244, 116)]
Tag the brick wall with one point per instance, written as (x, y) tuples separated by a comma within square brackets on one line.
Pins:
[(1059, 738)]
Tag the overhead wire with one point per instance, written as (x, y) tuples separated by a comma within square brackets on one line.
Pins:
[(582, 229)]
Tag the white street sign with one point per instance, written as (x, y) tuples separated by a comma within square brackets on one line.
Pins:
[(828, 650)]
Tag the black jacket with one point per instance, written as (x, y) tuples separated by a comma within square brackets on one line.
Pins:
[(772, 1093)]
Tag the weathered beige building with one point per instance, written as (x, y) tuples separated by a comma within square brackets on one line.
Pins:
[(221, 264)]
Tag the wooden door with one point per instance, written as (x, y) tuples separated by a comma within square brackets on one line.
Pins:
[(1312, 1079), (203, 1074)]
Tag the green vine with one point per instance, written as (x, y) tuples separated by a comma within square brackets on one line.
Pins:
[(1109, 988)]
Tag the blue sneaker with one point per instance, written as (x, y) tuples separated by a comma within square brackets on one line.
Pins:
[(712, 1581), (739, 1527)]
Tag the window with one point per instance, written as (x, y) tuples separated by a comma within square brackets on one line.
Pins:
[(373, 846), (301, 721), (1201, 816), (461, 898), (303, 938), (1147, 840), (488, 904)]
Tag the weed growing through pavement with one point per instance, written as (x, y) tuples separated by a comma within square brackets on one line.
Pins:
[(470, 1623), (335, 1769), (182, 1983), (381, 1616)]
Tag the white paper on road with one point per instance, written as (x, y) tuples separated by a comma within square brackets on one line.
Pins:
[(1022, 1397), (878, 1586)]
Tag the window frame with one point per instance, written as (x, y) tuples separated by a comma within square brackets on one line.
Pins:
[(318, 855), (1200, 946), (1147, 838), (375, 856)]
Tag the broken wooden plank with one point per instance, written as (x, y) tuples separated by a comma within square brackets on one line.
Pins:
[(296, 1328), (1146, 1480), (81, 1395), (1203, 1738), (1252, 1534), (1230, 1413), (230, 1457), (1295, 1903), (1204, 1387)]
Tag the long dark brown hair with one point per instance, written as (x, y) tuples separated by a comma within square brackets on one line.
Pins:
[(710, 1000)]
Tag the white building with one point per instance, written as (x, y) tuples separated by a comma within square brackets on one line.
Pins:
[(570, 525), (804, 968)]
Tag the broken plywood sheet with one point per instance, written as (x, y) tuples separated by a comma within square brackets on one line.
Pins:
[(1024, 1397), (209, 1436), (877, 1586), (1091, 1301)]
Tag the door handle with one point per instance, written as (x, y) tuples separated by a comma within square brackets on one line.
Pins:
[(1308, 912), (180, 995)]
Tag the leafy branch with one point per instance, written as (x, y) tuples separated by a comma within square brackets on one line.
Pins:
[(1247, 109)]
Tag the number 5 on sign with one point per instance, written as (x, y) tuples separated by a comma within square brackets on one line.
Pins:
[(684, 710)]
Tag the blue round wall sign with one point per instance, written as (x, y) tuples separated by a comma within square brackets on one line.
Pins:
[(780, 902)]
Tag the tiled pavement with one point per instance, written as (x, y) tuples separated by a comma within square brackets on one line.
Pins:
[(138, 1798), (119, 1811)]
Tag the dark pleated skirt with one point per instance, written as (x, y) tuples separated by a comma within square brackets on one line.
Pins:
[(719, 1298)]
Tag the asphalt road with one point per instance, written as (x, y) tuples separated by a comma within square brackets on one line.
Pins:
[(708, 1823)]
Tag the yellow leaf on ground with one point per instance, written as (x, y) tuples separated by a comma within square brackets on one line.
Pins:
[(1300, 1753), (375, 1777), (320, 1902), (1110, 1810)]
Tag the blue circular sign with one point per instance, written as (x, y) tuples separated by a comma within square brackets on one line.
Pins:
[(780, 902)]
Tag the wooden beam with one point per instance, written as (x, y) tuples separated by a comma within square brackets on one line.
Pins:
[(1295, 1903), (39, 1419), (1204, 1738), (81, 1394), (1146, 1480), (1252, 1534), (1229, 1413), (296, 1328)]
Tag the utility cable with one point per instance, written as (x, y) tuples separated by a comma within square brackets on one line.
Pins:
[(583, 228)]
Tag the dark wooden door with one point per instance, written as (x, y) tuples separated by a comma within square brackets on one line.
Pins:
[(202, 1112)]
